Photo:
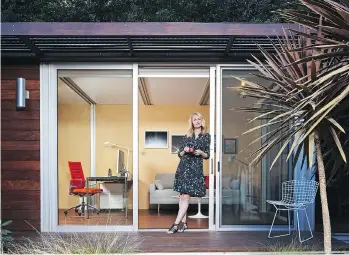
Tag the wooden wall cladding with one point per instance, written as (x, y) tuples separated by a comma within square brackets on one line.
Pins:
[(20, 150)]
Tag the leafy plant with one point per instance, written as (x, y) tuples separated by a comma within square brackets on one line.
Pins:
[(6, 235), (308, 100)]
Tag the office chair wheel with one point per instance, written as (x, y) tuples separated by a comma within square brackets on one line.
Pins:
[(65, 213), (79, 213), (76, 210)]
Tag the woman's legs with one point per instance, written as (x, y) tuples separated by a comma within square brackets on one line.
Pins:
[(182, 214), (183, 207), (184, 219)]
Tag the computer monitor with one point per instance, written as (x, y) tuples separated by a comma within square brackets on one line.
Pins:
[(120, 165)]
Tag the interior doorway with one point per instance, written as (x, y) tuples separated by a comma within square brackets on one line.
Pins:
[(167, 99)]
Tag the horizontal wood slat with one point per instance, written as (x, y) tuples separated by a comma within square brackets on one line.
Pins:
[(22, 194), (20, 145), (19, 135), (20, 175), (14, 72), (11, 94), (20, 165), (21, 214), (24, 225), (10, 105), (20, 125), (16, 204), (11, 85), (32, 155), (20, 185), (20, 115)]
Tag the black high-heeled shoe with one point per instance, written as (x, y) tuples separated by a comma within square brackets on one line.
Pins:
[(183, 226), (173, 229)]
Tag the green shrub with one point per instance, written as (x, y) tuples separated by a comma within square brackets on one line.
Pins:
[(6, 236)]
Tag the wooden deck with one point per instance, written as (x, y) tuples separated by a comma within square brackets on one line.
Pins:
[(211, 241)]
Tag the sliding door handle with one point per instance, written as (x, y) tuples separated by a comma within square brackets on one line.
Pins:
[(219, 167)]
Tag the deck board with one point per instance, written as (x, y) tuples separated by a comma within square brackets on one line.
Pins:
[(212, 241)]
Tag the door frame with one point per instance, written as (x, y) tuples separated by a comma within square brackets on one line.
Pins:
[(191, 71), (219, 153), (49, 142)]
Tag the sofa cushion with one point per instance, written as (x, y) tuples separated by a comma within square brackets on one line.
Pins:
[(166, 180), (159, 185), (226, 182), (235, 184), (165, 193)]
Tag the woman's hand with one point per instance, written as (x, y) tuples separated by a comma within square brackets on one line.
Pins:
[(199, 153), (186, 149)]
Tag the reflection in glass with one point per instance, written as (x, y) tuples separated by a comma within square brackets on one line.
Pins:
[(244, 188)]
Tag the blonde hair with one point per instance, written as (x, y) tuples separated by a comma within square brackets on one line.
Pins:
[(191, 127)]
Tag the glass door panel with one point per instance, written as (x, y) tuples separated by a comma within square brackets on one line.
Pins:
[(95, 127), (244, 189)]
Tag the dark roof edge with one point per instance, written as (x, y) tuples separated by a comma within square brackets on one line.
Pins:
[(143, 29)]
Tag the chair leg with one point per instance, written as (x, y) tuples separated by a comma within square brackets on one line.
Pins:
[(299, 233), (271, 227), (73, 207), (94, 208)]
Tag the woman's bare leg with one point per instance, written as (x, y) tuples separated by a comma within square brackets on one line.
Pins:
[(183, 207), (184, 219)]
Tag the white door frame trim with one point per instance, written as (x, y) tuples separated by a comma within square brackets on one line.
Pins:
[(211, 222)]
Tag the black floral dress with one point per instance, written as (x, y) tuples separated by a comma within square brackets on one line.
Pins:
[(189, 178)]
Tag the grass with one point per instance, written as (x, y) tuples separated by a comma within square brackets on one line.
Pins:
[(293, 245), (77, 243)]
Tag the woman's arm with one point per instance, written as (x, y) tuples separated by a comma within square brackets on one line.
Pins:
[(206, 151), (181, 151)]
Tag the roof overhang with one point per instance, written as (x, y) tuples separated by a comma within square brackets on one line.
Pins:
[(137, 41)]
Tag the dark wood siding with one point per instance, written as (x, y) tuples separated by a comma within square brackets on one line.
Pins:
[(20, 149)]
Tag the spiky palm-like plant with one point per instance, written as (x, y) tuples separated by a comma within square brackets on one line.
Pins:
[(308, 103)]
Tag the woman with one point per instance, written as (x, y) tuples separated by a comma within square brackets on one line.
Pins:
[(189, 179)]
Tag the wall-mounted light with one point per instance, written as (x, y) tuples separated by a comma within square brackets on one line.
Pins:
[(21, 94)]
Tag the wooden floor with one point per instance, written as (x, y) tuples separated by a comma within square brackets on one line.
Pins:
[(151, 219), (148, 219), (205, 241)]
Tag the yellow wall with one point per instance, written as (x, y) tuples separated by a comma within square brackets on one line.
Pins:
[(171, 118), (73, 145), (114, 124)]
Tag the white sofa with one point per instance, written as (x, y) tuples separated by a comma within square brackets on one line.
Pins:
[(233, 191)]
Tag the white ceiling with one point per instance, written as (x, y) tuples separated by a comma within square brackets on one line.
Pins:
[(175, 90), (117, 90)]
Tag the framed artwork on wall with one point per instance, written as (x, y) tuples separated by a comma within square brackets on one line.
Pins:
[(156, 140), (175, 143), (230, 146)]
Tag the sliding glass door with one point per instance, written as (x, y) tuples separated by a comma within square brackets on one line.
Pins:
[(89, 116), (241, 189)]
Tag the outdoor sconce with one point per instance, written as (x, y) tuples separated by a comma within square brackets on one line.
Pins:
[(21, 94)]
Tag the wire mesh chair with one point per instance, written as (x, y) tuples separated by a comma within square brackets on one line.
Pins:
[(296, 195)]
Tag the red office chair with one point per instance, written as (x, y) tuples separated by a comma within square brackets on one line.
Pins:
[(77, 188)]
